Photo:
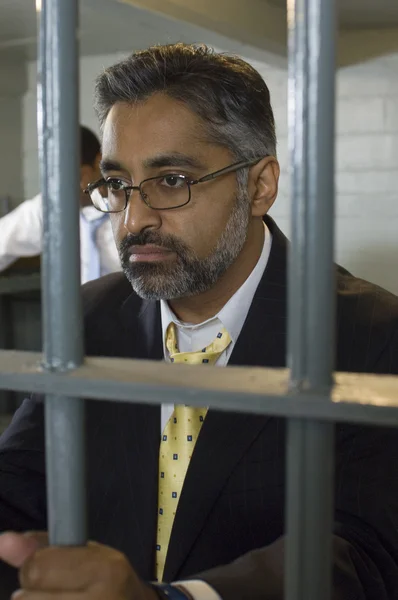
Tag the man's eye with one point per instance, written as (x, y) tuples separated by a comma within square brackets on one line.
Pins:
[(115, 185), (173, 181)]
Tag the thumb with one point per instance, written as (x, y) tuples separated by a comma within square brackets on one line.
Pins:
[(16, 548)]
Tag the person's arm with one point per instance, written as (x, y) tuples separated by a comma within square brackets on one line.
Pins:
[(22, 480), (365, 539), (360, 571), (21, 232), (365, 534)]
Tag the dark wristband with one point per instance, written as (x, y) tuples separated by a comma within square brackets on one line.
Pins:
[(169, 592)]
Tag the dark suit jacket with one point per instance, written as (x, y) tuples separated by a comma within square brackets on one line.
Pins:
[(233, 497)]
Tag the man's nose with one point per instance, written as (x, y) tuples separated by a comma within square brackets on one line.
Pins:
[(139, 216)]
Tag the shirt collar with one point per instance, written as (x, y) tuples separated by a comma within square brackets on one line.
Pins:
[(233, 315)]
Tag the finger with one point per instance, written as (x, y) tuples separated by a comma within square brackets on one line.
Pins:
[(41, 537), (72, 568), (16, 548)]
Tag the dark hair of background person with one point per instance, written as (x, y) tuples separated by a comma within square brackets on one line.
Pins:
[(90, 146)]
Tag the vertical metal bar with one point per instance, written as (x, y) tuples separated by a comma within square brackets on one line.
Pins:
[(310, 445), (65, 470), (62, 314), (298, 142), (309, 508), (297, 300), (321, 143)]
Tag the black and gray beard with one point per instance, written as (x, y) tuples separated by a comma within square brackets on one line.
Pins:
[(188, 275)]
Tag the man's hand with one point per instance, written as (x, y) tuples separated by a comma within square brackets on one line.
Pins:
[(92, 572)]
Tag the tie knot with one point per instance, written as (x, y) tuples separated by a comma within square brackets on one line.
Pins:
[(208, 355)]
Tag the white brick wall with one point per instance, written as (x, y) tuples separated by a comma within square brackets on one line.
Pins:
[(366, 159), (366, 167)]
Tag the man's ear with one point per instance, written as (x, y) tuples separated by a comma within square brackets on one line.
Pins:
[(263, 185)]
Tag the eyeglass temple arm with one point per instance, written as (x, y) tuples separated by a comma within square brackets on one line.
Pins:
[(93, 186), (230, 169)]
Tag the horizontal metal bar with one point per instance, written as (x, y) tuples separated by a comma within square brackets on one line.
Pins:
[(12, 284), (356, 397)]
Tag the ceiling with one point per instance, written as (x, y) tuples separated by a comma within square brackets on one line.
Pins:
[(361, 14), (106, 26), (111, 26)]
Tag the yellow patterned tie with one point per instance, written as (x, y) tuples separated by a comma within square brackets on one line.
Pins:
[(178, 441)]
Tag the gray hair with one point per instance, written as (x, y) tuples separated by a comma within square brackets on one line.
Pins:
[(227, 93)]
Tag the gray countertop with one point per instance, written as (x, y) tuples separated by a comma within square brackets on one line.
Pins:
[(19, 282)]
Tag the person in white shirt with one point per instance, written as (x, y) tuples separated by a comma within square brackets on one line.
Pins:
[(21, 230)]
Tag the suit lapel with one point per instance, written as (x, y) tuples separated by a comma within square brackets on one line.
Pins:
[(122, 495), (225, 437), (262, 341), (145, 333)]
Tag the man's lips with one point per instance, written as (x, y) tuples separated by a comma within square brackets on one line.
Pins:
[(148, 253)]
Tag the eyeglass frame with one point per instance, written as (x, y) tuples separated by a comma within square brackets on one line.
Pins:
[(131, 188)]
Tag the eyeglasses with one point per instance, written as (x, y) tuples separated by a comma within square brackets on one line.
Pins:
[(163, 192)]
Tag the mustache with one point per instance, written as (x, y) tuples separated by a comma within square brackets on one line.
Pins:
[(169, 242)]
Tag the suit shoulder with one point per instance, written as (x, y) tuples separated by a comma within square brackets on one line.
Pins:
[(103, 301), (107, 294), (367, 299), (367, 325)]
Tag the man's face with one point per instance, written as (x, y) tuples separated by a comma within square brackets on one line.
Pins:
[(180, 252)]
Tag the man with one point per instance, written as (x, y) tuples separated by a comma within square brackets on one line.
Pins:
[(189, 164), (21, 230)]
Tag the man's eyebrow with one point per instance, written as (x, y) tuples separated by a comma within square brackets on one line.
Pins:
[(174, 159), (108, 164)]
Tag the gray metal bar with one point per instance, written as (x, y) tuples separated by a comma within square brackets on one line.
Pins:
[(297, 291), (65, 454), (356, 397), (308, 558), (321, 143), (298, 140), (60, 145), (310, 445), (62, 314)]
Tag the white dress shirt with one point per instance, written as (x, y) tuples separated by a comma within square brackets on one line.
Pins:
[(21, 233), (104, 243), (195, 337)]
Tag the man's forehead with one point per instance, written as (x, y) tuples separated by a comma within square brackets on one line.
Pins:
[(154, 117), (146, 132)]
